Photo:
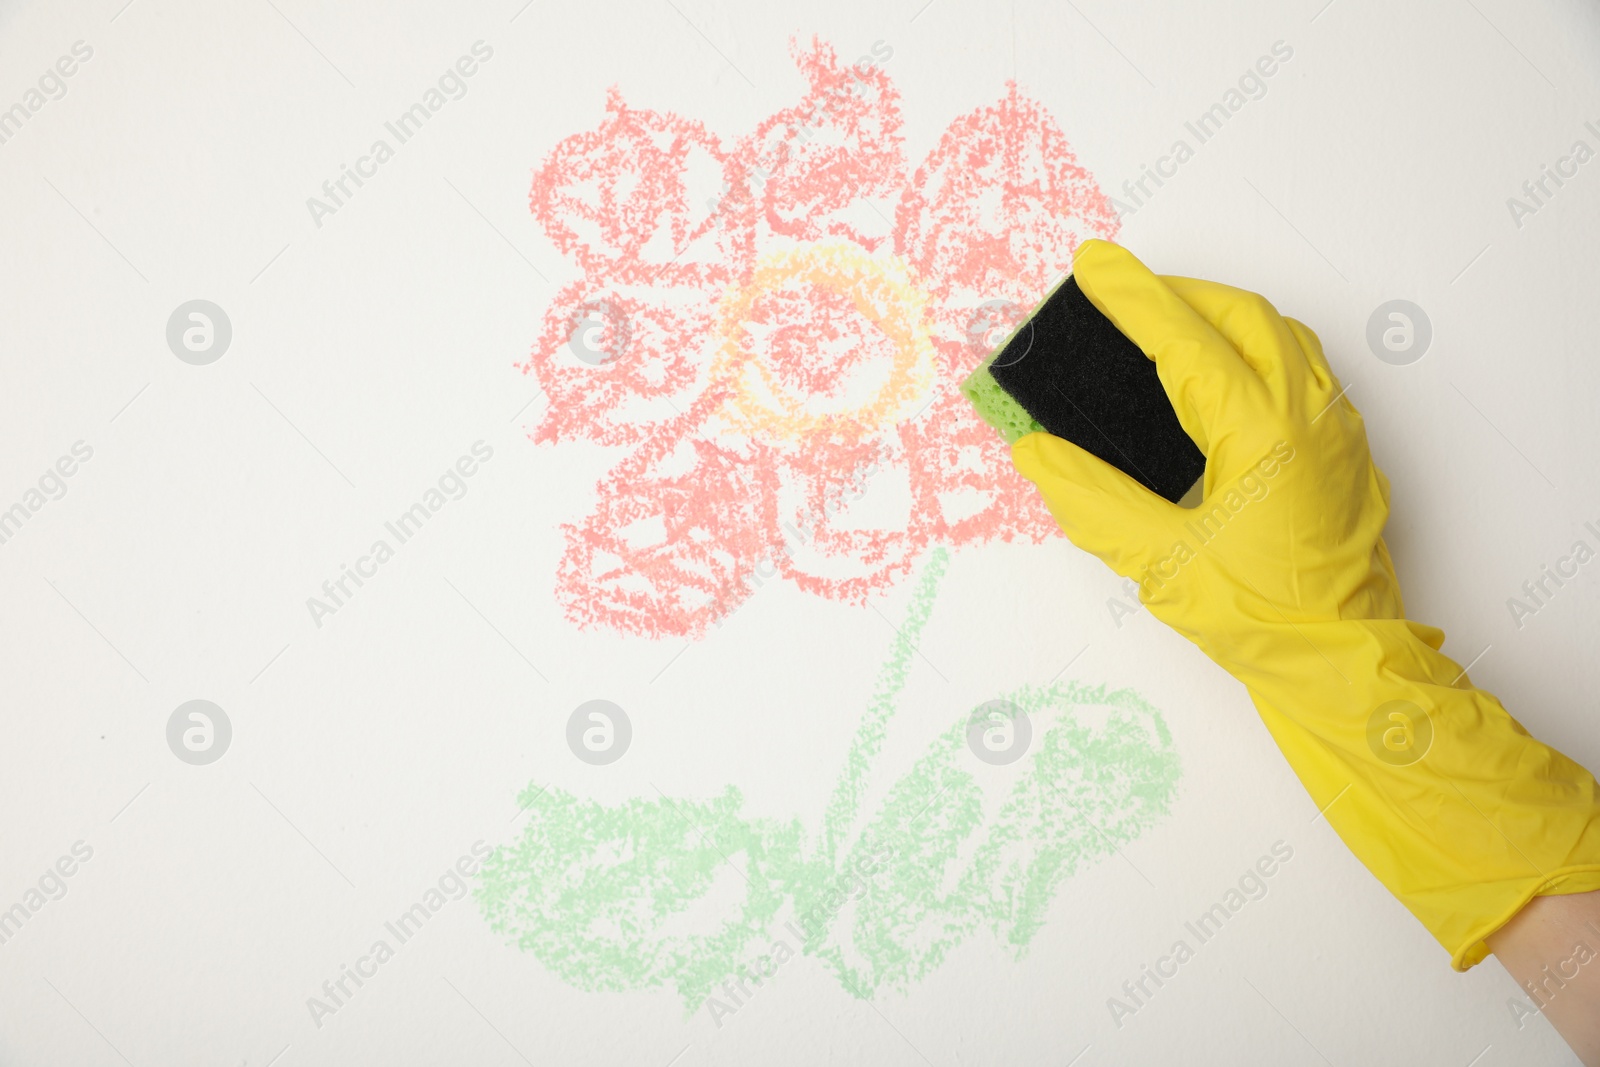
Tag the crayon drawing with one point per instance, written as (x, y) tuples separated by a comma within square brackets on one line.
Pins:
[(607, 897), (774, 331)]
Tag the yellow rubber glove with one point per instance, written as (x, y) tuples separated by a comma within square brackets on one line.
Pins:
[(1282, 577)]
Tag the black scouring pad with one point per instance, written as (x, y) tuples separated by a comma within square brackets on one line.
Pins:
[(1068, 370)]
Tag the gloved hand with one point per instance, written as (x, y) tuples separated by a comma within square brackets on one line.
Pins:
[(1281, 576)]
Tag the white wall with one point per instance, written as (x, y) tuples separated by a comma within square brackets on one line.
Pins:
[(373, 346)]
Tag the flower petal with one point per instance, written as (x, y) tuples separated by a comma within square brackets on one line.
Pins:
[(611, 359), (806, 170), (628, 200), (993, 215), (962, 479), (671, 546), (840, 515)]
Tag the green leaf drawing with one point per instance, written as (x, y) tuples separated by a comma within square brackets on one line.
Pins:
[(612, 897)]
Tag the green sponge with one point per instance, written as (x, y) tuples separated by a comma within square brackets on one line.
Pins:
[(995, 406), (1067, 370)]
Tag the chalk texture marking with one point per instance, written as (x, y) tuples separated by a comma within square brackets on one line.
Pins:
[(610, 897), (759, 333)]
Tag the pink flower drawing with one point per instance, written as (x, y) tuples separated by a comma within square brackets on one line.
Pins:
[(770, 335)]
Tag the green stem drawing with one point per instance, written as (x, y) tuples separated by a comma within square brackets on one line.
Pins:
[(844, 806), (617, 898)]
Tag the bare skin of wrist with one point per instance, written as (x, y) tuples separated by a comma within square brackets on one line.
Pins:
[(1540, 947)]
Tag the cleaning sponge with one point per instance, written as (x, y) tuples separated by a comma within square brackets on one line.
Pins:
[(1069, 371)]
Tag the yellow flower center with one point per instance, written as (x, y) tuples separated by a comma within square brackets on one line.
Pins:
[(811, 371)]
